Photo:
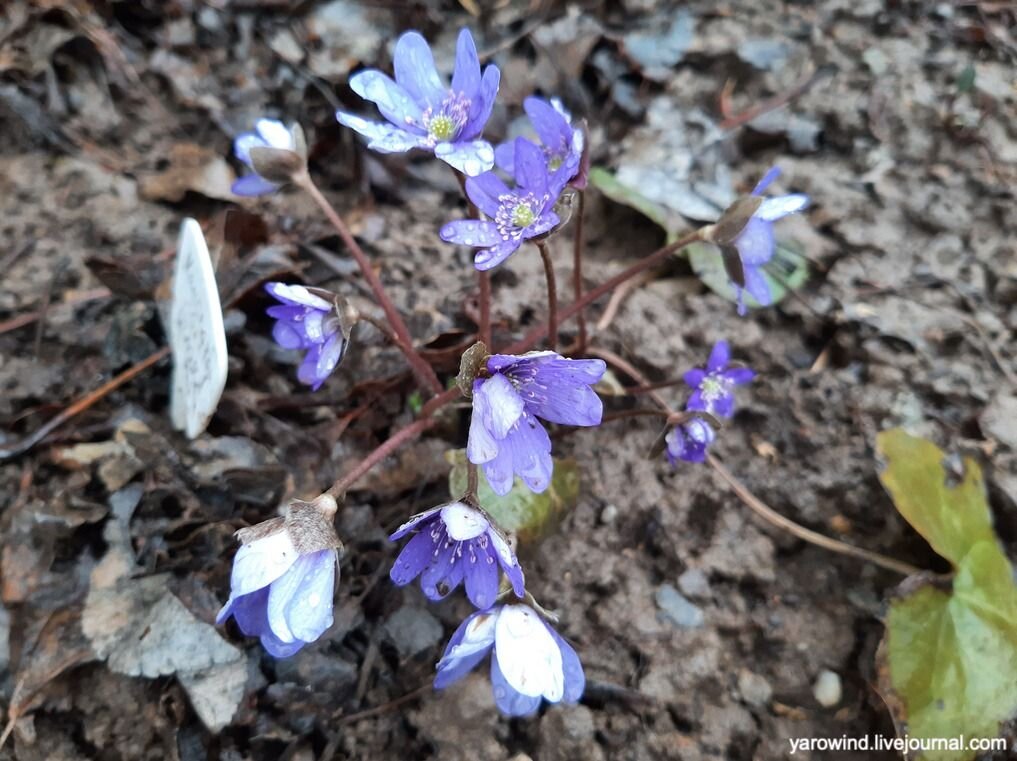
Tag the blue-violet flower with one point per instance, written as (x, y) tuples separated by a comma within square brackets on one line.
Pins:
[(506, 438), (423, 112), (756, 243), (561, 143), (689, 441), (456, 543), (268, 133), (530, 661), (307, 320), (283, 579), (524, 212), (713, 388)]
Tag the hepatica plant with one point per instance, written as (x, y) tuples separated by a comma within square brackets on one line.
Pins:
[(521, 391)]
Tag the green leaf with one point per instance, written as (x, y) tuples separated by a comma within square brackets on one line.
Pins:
[(948, 660), (787, 271), (951, 517), (609, 185), (530, 516)]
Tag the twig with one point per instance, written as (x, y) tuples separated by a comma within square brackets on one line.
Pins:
[(629, 369), (29, 317), (772, 104), (384, 707), (81, 405), (771, 516), (420, 366), (552, 296), (619, 296)]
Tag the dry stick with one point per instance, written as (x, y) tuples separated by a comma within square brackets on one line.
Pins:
[(619, 296), (577, 268), (552, 296), (420, 366), (759, 507), (82, 404)]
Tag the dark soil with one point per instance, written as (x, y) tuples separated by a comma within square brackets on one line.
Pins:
[(116, 120)]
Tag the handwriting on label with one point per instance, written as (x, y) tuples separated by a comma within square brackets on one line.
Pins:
[(197, 337)]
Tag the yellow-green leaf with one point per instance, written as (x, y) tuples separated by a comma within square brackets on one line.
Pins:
[(949, 656), (952, 517), (530, 516), (608, 184)]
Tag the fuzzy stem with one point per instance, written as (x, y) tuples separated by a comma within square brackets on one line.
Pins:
[(472, 479), (420, 366), (552, 296), (483, 278), (578, 244)]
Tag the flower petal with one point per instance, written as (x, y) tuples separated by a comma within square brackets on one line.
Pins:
[(481, 446), (470, 232), (739, 375), (274, 133), (413, 522), (531, 167), (509, 562), (510, 701), (297, 295), (279, 649), (527, 653), (481, 577), (549, 123), (575, 679), (757, 286), (505, 157), (755, 243), (769, 177), (542, 224), (466, 648), (415, 71), (482, 104), (251, 185), (393, 101), (463, 522), (530, 448), (780, 206), (413, 559), (466, 75), (384, 138), (694, 377), (485, 190), (489, 258), (261, 562), (300, 603), (243, 143), (503, 405), (720, 355), (470, 158)]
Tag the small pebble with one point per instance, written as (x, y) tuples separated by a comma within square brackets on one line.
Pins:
[(609, 515), (827, 689), (676, 609), (693, 583), (754, 689)]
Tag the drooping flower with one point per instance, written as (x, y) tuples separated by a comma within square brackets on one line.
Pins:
[(283, 579), (689, 441), (423, 112), (506, 438), (713, 388), (518, 214), (456, 543), (530, 661), (561, 143), (268, 133), (311, 319), (745, 236)]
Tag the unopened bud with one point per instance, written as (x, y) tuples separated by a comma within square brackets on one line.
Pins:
[(470, 366), (278, 165)]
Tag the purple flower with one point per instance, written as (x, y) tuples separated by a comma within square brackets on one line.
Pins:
[(756, 244), (306, 320), (269, 133), (422, 112), (524, 212), (713, 388), (505, 436), (561, 143), (456, 543), (283, 579), (529, 660), (689, 441)]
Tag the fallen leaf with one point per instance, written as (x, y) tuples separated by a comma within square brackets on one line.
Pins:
[(192, 167)]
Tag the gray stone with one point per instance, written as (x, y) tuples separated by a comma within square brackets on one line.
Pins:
[(609, 514), (693, 583), (676, 609), (413, 631), (999, 420), (754, 689)]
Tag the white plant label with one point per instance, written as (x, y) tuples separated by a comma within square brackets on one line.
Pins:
[(197, 337)]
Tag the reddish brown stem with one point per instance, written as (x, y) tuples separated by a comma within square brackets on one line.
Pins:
[(577, 269), (552, 296), (420, 366), (533, 337), (484, 326)]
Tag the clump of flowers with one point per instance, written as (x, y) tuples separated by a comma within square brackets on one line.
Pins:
[(506, 437), (314, 320), (515, 215), (562, 144), (530, 661), (422, 112), (284, 574), (453, 544)]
